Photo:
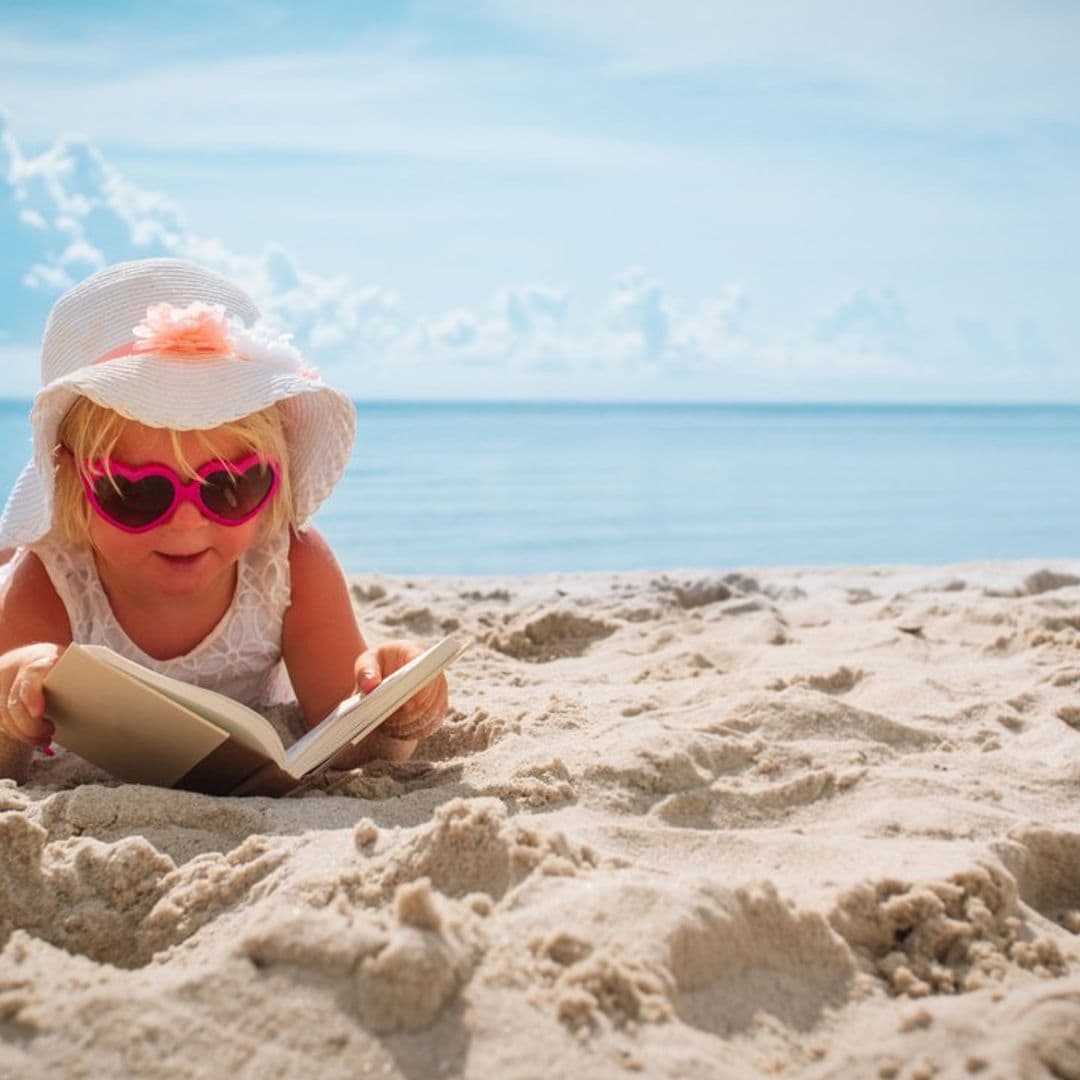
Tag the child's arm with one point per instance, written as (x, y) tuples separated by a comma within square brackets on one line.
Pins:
[(34, 630), (325, 653)]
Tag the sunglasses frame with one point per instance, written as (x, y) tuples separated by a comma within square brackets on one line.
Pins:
[(182, 490)]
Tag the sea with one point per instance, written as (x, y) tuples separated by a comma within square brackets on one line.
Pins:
[(514, 488)]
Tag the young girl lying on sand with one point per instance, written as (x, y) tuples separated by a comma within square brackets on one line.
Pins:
[(179, 450)]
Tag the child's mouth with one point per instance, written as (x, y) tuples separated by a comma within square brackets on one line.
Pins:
[(183, 560)]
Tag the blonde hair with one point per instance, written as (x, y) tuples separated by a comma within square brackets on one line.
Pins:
[(90, 432)]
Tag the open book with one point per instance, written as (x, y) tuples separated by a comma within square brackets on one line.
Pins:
[(147, 728)]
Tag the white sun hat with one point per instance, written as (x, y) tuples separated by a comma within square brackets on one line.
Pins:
[(173, 345)]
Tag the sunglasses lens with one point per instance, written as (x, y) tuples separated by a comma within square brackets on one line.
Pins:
[(235, 496), (133, 503)]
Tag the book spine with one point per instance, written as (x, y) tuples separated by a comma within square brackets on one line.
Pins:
[(270, 779), (224, 768)]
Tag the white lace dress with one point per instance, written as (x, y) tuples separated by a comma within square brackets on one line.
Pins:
[(240, 657)]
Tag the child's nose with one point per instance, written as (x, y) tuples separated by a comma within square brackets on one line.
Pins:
[(188, 516)]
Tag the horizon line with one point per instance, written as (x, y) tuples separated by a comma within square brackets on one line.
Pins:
[(11, 399)]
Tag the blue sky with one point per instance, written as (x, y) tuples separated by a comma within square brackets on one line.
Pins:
[(590, 199)]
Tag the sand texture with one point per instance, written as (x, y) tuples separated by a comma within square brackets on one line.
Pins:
[(797, 823)]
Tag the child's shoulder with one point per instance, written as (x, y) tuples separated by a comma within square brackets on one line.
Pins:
[(316, 583), (310, 556), (307, 542), (30, 607), (26, 576)]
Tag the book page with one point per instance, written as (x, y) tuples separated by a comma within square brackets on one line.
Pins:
[(359, 715), (238, 720)]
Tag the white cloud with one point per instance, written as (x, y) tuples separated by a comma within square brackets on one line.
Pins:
[(68, 212)]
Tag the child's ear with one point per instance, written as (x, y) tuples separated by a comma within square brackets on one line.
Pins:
[(63, 458)]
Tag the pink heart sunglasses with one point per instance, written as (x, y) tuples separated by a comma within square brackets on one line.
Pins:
[(141, 497)]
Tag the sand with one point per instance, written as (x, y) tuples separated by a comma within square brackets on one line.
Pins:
[(781, 822)]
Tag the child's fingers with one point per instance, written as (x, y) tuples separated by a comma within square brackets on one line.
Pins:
[(424, 712), (31, 693), (32, 680), (368, 671), (25, 699), (22, 723)]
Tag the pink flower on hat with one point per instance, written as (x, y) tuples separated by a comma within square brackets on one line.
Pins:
[(198, 330)]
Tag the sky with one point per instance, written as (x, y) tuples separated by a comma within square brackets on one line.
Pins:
[(571, 199)]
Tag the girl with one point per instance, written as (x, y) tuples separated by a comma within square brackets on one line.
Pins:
[(179, 450)]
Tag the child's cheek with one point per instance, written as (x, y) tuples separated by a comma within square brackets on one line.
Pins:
[(233, 541), (118, 548)]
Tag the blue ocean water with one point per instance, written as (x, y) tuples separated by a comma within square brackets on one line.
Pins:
[(520, 488)]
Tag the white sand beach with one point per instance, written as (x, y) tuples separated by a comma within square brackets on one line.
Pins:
[(814, 823)]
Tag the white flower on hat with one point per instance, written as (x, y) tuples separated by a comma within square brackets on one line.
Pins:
[(267, 347)]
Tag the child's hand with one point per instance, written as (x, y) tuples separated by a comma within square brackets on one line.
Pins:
[(22, 699), (422, 715)]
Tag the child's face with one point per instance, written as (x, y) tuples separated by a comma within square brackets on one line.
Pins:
[(188, 552)]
